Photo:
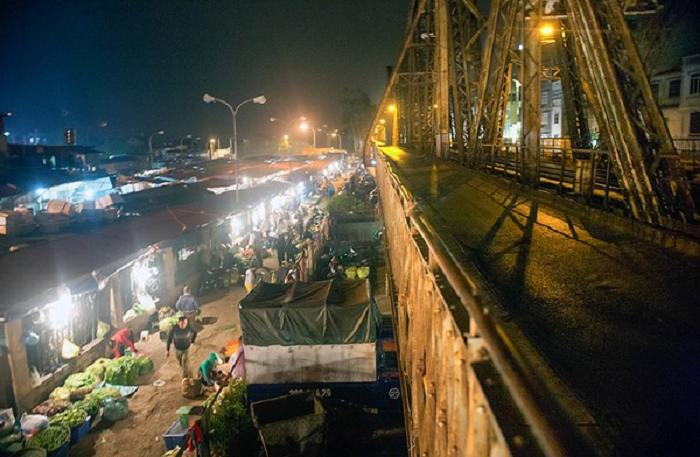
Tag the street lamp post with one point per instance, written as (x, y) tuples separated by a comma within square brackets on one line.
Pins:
[(150, 145), (260, 100), (340, 139), (305, 126)]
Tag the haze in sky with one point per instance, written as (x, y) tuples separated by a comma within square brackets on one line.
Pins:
[(141, 66)]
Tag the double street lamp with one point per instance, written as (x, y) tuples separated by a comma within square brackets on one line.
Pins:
[(260, 100)]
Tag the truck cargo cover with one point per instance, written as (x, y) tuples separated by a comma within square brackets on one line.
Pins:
[(304, 313)]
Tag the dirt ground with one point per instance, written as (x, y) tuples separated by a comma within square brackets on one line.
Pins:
[(152, 409)]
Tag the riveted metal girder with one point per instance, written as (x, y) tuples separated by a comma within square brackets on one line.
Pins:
[(453, 75)]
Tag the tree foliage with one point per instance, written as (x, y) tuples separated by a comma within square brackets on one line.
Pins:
[(231, 430), (358, 113)]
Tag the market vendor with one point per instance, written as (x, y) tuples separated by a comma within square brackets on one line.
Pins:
[(120, 340), (207, 368)]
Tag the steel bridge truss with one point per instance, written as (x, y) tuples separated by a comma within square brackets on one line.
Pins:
[(451, 88)]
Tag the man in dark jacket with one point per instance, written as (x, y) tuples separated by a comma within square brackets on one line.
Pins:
[(181, 336)]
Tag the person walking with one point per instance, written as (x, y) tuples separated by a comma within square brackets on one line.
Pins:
[(280, 247), (181, 336), (188, 305), (289, 252)]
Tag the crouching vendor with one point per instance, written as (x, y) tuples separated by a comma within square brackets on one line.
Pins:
[(208, 369), (120, 341)]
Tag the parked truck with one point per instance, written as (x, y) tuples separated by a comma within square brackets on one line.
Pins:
[(326, 337)]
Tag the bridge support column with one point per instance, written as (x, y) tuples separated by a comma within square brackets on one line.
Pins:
[(441, 93), (531, 75)]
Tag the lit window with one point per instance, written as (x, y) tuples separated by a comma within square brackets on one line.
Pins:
[(694, 83)]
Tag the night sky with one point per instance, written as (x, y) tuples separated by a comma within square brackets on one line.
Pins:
[(144, 65)]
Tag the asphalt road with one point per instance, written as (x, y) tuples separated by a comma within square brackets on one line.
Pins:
[(617, 318)]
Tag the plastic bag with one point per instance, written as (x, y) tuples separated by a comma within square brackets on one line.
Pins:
[(148, 304), (69, 350), (33, 423), (7, 422), (130, 315), (115, 409), (102, 329)]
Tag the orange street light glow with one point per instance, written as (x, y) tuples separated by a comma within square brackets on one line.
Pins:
[(546, 30)]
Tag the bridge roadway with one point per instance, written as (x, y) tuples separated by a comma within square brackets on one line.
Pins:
[(616, 318)]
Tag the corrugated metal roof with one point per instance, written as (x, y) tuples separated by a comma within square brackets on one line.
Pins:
[(31, 271)]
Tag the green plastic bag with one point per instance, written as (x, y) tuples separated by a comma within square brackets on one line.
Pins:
[(102, 329)]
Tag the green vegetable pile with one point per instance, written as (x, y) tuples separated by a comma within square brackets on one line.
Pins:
[(60, 394), (231, 428), (90, 406), (71, 418), (80, 384), (169, 322), (78, 380), (123, 372), (100, 395), (51, 438), (145, 365), (97, 369)]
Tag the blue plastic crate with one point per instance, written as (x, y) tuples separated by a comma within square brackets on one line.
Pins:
[(174, 435), (77, 433), (61, 451)]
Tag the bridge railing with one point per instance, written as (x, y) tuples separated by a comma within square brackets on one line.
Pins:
[(467, 389), (583, 172)]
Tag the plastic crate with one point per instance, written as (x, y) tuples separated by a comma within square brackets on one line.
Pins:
[(77, 433), (174, 435), (61, 451)]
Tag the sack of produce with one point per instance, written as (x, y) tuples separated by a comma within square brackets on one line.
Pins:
[(164, 312), (191, 388), (33, 423), (50, 439), (51, 407), (115, 409), (363, 272)]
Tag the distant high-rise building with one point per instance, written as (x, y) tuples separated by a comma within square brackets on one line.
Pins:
[(69, 136)]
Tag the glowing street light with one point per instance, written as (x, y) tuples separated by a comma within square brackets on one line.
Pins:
[(340, 139), (260, 100), (304, 126)]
